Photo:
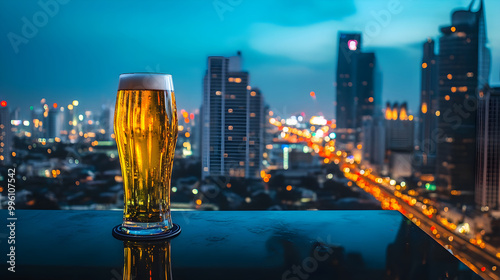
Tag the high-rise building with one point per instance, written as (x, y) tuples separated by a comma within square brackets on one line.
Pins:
[(5, 134), (373, 147), (487, 193), (364, 77), (355, 81), (232, 121), (399, 140), (349, 48), (36, 122), (425, 146), (255, 131), (55, 123), (463, 70), (399, 128), (106, 122)]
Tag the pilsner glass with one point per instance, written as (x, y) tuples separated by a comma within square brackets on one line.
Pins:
[(146, 133)]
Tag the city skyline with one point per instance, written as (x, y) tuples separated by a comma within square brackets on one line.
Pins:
[(288, 56)]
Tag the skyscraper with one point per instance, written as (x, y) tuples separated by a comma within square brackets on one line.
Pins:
[(355, 88), (463, 69), (232, 121), (5, 134), (425, 149), (364, 77), (255, 131), (487, 193), (349, 48), (55, 125)]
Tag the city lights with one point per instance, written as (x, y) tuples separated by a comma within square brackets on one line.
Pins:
[(352, 44)]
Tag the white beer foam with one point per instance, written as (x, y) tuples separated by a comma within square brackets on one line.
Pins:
[(145, 81)]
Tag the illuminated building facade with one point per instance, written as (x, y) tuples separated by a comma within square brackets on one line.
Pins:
[(425, 147), (232, 121), (487, 193), (399, 140), (355, 88), (463, 70), (5, 134), (399, 128)]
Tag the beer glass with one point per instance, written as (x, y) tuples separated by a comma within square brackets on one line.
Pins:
[(145, 128), (147, 260)]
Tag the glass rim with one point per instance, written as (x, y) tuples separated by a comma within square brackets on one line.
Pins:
[(145, 81)]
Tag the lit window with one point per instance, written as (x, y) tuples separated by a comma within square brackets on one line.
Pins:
[(242, 163), (370, 99), (424, 65), (237, 80), (470, 74), (230, 138), (231, 79), (449, 76), (438, 113), (453, 89), (230, 110), (218, 92), (252, 115), (253, 93), (453, 29), (230, 127), (447, 97)]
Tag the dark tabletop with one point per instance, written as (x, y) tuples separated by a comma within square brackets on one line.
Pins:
[(290, 245)]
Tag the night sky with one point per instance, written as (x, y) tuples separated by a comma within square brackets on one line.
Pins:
[(289, 47)]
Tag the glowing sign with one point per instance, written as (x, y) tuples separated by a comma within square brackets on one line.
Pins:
[(3, 103), (352, 44)]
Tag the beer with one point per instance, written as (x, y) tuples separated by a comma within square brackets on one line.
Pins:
[(146, 260), (145, 130)]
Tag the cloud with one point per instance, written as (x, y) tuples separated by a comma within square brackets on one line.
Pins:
[(311, 43)]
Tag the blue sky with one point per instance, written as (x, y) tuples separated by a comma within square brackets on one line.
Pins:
[(289, 47)]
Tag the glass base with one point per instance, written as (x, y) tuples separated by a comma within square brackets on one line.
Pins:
[(119, 232), (145, 228)]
